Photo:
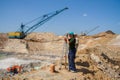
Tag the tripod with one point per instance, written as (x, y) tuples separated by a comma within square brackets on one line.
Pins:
[(64, 55)]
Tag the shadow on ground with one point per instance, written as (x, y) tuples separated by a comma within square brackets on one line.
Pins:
[(86, 71), (84, 64)]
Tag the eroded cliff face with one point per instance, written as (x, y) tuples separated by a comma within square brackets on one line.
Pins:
[(35, 43)]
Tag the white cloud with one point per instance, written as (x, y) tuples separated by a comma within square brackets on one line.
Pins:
[(85, 14)]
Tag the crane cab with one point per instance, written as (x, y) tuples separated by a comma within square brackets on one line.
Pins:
[(17, 35)]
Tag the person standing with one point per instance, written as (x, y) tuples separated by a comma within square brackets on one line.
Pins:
[(72, 51)]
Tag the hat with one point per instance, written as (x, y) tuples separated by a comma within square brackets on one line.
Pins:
[(71, 33)]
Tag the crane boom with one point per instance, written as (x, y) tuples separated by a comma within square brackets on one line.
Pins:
[(43, 19), (92, 29)]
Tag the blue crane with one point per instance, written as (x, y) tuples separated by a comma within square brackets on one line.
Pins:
[(43, 19)]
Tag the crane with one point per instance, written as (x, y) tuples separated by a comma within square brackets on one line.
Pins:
[(86, 33), (92, 29), (22, 33)]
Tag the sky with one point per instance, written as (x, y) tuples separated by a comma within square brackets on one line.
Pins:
[(82, 15)]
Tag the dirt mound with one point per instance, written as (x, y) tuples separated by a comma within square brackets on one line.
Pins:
[(115, 41), (44, 43), (108, 34), (42, 37)]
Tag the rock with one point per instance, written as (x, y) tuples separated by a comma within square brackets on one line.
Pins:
[(95, 58), (116, 67), (52, 68)]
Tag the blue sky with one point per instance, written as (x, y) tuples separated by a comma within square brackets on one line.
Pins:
[(82, 15)]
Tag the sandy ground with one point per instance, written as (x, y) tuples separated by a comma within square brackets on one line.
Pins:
[(98, 58)]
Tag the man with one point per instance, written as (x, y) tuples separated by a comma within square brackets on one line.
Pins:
[(72, 51)]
